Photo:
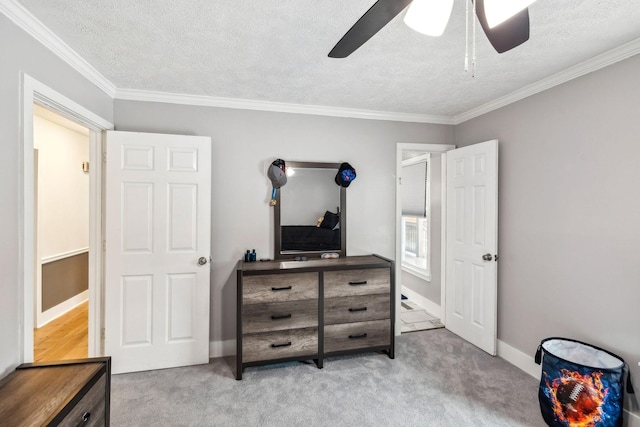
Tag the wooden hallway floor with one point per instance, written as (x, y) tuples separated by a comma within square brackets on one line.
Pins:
[(63, 338)]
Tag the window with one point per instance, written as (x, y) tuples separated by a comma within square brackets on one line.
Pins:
[(416, 207)]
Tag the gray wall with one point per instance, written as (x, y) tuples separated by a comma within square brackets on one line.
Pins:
[(569, 212), (245, 141), (21, 53)]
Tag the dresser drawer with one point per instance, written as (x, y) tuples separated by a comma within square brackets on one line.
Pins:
[(278, 316), (279, 345), (350, 336), (357, 309), (90, 410), (356, 282), (279, 287), (57, 393)]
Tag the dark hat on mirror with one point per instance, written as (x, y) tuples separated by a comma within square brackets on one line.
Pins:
[(346, 174), (277, 173)]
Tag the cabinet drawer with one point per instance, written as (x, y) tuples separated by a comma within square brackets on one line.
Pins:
[(356, 309), (90, 410), (356, 282), (279, 287), (350, 336), (279, 345), (278, 316)]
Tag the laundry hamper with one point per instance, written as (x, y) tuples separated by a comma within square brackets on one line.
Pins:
[(581, 385)]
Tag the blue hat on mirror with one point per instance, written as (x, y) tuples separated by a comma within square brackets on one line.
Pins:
[(346, 174)]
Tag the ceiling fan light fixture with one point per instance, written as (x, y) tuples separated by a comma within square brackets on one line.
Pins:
[(498, 11), (429, 17)]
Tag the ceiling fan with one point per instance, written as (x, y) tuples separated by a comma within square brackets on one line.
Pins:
[(512, 31)]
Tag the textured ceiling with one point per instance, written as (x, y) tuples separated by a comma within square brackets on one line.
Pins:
[(276, 50)]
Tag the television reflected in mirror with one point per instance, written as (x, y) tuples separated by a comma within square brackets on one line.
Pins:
[(310, 212)]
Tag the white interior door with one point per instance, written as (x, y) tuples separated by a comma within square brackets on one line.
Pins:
[(472, 244), (158, 203)]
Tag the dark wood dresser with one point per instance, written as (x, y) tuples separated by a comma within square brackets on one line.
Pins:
[(65, 393), (302, 310)]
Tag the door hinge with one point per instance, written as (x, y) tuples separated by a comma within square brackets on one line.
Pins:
[(102, 333), (104, 245)]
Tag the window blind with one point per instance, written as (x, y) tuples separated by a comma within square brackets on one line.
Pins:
[(414, 189)]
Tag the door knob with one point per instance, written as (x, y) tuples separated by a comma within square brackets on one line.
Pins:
[(202, 260), (487, 257)]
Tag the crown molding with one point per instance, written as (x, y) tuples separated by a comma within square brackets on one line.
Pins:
[(280, 107), (603, 60), (36, 29), (596, 63)]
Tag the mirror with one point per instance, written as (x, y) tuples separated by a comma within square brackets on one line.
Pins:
[(309, 193)]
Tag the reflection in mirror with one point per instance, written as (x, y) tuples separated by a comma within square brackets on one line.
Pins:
[(310, 211)]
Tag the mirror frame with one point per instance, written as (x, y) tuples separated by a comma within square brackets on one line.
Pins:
[(278, 254)]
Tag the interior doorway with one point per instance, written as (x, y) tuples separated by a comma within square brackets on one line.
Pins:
[(36, 93), (420, 213), (61, 179), (469, 226), (421, 198)]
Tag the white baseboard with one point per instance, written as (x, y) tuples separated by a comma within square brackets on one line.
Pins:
[(222, 348), (527, 364), (519, 359), (430, 306), (630, 420), (60, 309)]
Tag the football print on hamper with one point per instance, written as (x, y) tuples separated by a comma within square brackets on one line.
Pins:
[(577, 399)]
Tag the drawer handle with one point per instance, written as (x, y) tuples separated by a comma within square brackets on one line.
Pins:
[(281, 316), (288, 344), (357, 337), (284, 288), (85, 417), (358, 309), (357, 282)]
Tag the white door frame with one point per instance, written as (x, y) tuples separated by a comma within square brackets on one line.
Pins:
[(427, 148), (34, 91)]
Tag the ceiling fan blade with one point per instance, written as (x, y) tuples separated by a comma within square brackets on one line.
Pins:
[(507, 35), (379, 15)]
